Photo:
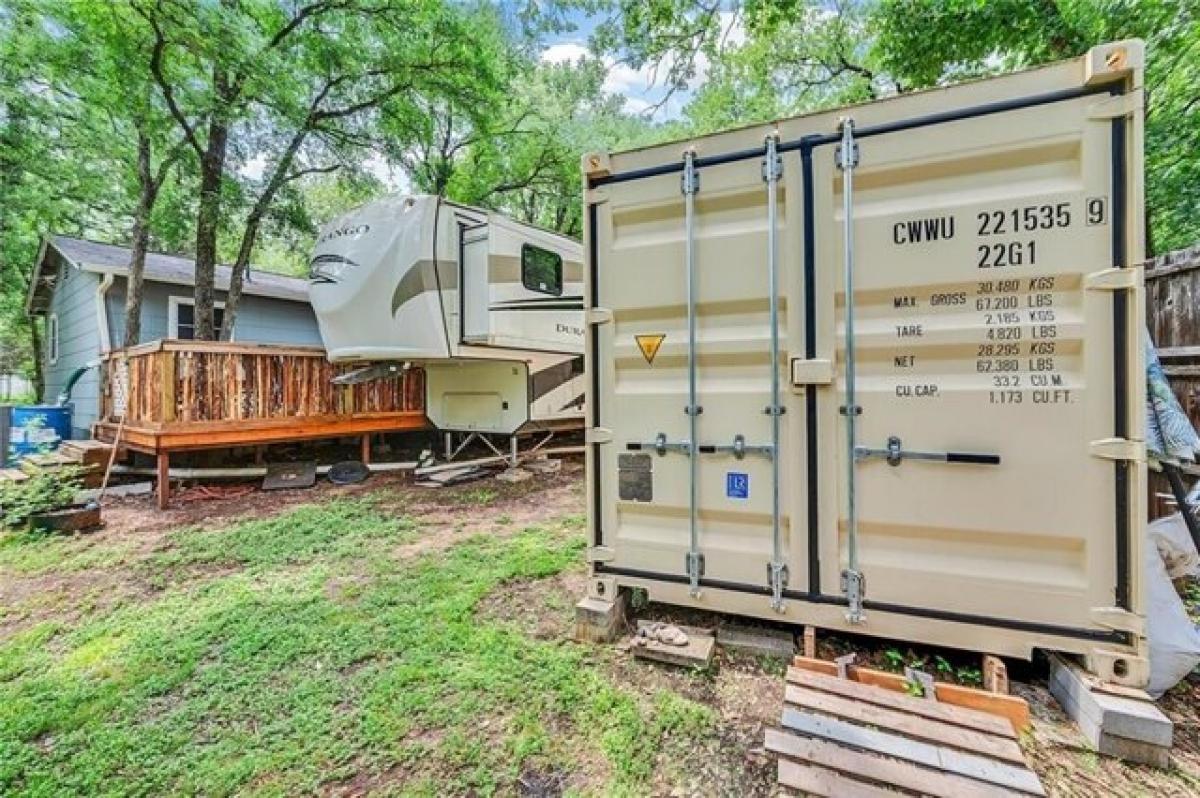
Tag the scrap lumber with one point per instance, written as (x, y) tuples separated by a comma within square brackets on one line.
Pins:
[(995, 674), (1015, 709), (845, 737), (495, 460)]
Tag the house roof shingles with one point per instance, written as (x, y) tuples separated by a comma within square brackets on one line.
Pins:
[(111, 259)]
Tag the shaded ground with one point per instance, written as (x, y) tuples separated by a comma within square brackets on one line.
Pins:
[(388, 639)]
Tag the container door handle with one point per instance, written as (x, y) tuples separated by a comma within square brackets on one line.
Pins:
[(895, 454)]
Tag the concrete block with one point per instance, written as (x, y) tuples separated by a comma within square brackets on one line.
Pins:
[(1126, 726), (763, 642), (599, 620)]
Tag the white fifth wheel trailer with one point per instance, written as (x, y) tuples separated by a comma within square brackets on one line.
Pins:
[(490, 308)]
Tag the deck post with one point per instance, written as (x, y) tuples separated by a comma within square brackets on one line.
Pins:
[(513, 443), (164, 479), (366, 449)]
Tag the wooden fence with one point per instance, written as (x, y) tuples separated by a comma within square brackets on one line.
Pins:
[(1173, 318)]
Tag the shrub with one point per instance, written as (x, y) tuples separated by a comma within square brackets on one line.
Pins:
[(48, 490)]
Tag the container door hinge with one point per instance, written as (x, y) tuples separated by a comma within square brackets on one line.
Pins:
[(777, 577), (1118, 449), (599, 316), (689, 179), (1113, 279), (600, 554), (772, 167), (1119, 620), (816, 371), (839, 154), (598, 435)]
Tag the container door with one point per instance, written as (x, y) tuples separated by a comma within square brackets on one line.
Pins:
[(654, 389), (476, 290), (996, 340)]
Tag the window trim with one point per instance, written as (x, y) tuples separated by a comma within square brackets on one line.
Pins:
[(525, 248), (52, 339), (173, 303)]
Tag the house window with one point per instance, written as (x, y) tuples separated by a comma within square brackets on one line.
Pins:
[(181, 317), (541, 270), (52, 338)]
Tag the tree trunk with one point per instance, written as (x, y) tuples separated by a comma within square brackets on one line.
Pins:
[(250, 233), (147, 194), (238, 276), (208, 220)]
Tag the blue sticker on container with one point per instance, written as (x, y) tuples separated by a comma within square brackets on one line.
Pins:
[(737, 485)]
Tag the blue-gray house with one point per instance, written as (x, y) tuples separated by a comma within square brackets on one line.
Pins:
[(78, 288)]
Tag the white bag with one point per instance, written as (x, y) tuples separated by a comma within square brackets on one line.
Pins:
[(1173, 639), (1175, 545)]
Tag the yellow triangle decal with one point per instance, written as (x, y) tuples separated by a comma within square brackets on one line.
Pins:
[(649, 345)]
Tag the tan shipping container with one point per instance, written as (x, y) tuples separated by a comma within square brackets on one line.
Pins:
[(993, 393)]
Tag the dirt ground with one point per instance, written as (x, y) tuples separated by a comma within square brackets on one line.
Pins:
[(743, 692)]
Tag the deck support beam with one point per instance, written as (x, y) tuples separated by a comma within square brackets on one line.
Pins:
[(365, 455), (164, 479)]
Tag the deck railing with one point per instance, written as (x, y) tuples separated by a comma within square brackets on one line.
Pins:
[(169, 383)]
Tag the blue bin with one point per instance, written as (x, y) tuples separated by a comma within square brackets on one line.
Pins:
[(38, 428)]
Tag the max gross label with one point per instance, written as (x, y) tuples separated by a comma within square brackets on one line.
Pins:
[(1010, 311)]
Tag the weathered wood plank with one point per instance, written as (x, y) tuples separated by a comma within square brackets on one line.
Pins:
[(947, 713), (904, 775), (813, 780), (1007, 706), (914, 726), (976, 767)]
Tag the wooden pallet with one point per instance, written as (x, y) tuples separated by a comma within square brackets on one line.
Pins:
[(1011, 707), (841, 737)]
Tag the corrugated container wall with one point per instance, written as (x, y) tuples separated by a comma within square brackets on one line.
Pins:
[(992, 388)]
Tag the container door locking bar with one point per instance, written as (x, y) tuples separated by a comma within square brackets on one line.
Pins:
[(772, 171), (895, 454), (739, 448), (689, 185), (853, 584)]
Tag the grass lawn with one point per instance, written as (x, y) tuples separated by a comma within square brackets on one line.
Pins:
[(300, 653), (386, 640)]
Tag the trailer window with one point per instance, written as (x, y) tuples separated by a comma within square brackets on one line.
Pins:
[(541, 270)]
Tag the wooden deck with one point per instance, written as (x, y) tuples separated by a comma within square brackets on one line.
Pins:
[(175, 396)]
